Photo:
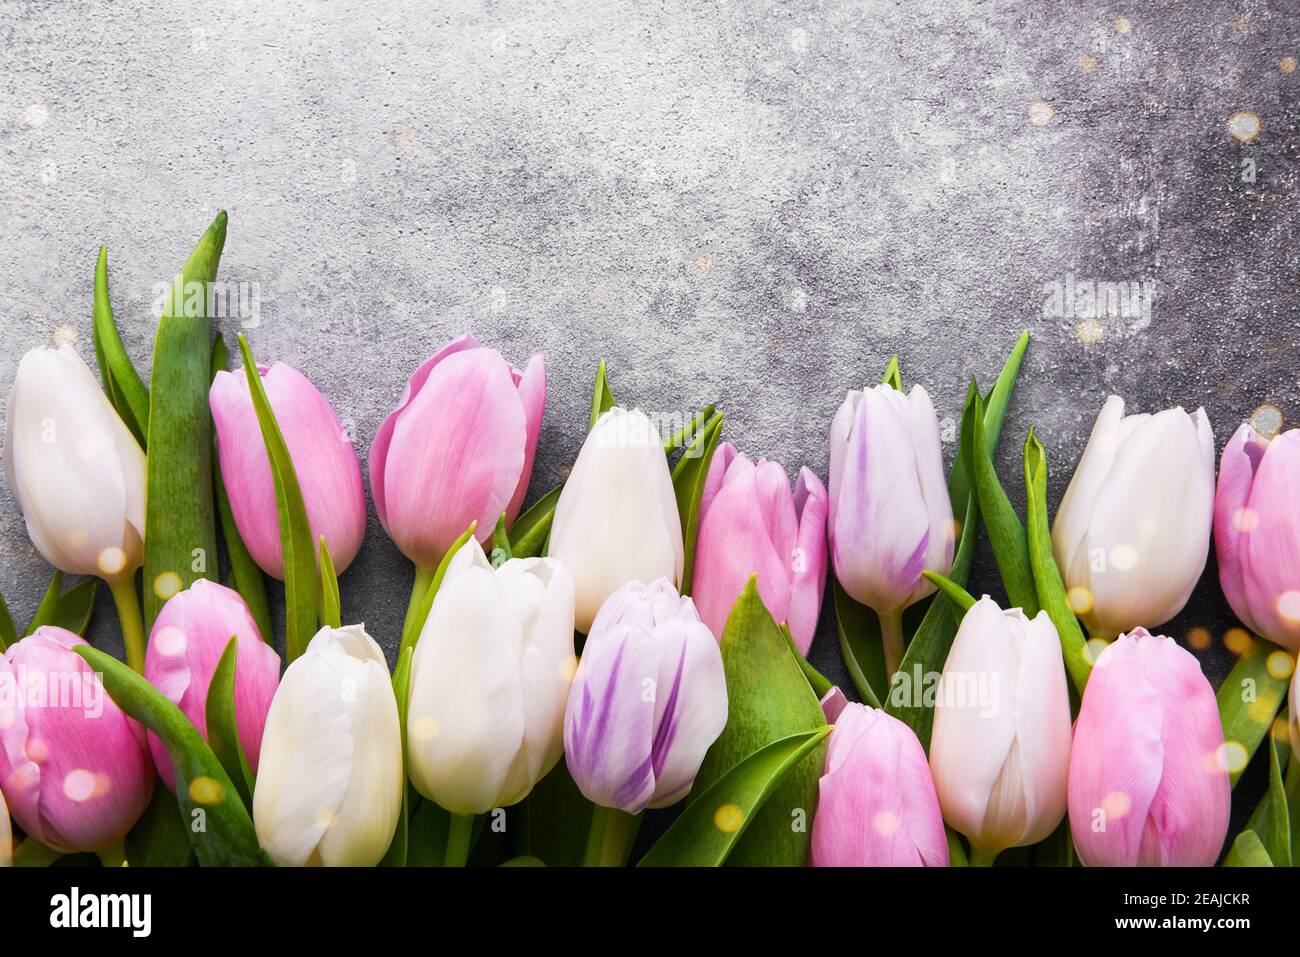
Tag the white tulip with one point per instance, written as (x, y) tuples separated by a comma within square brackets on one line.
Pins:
[(1000, 749), (489, 679), (1133, 530), (617, 520), (76, 470), (329, 778)]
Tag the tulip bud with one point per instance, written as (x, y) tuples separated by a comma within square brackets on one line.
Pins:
[(74, 467), (1133, 530), (1256, 527), (460, 445), (649, 699), (188, 639), (751, 523), (616, 520), (876, 803), (489, 679), (329, 788), (1000, 748), (323, 460), (890, 515), (74, 768), (1148, 782)]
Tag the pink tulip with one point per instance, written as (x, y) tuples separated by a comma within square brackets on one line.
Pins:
[(1148, 786), (323, 458), (73, 767), (187, 642), (751, 523), (1257, 532), (876, 806), (461, 446)]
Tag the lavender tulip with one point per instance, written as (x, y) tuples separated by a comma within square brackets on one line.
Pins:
[(751, 523), (1257, 532), (648, 700), (876, 804), (323, 459), (1148, 782)]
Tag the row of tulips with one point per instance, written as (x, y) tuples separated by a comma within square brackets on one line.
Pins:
[(668, 579)]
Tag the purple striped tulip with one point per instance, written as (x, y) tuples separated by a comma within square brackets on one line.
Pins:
[(751, 523), (74, 768), (1148, 783), (323, 459), (460, 445), (876, 804), (1257, 532), (648, 700), (188, 639), (890, 515), (1000, 749)]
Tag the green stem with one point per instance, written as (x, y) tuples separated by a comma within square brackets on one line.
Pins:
[(128, 612), (460, 831), (983, 856), (114, 856), (891, 634), (423, 579), (608, 838)]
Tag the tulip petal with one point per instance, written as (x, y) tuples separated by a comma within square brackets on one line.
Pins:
[(808, 564), (1241, 457), (532, 393), (1271, 552)]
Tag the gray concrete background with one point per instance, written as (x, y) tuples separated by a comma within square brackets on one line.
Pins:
[(755, 203)]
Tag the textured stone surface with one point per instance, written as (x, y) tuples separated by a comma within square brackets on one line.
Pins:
[(756, 203)]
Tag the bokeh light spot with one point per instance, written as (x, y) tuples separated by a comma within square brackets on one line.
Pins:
[(1237, 640), (1231, 756), (1280, 665), (728, 818), (167, 584), (1080, 599), (1243, 126), (79, 785), (206, 790)]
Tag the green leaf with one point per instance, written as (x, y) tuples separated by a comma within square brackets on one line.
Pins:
[(893, 374), (995, 412), (1249, 699), (395, 856), (689, 476), (1271, 819), (223, 728), (768, 698), (956, 850), (555, 820), (49, 606), (32, 853), (180, 540), (76, 606), (430, 829), (689, 431), (159, 837), (501, 552), (246, 577), (301, 581), (204, 790), (331, 605), (819, 683), (122, 384), (705, 833), (602, 397), (8, 634), (1052, 595), (412, 634), (958, 595), (524, 860), (1248, 851), (1006, 533), (531, 529), (860, 646)]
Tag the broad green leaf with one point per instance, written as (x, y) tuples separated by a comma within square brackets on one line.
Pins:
[(1006, 533), (1293, 804), (768, 698), (819, 683), (396, 854), (159, 838), (180, 540), (49, 606), (705, 833), (956, 849), (1271, 819), (555, 820), (32, 853), (1249, 698), (893, 374), (245, 575), (860, 646), (602, 397), (501, 552), (122, 384), (223, 728), (995, 412), (8, 634), (1052, 595), (429, 831), (688, 432), (204, 790), (331, 610), (411, 633), (76, 606), (301, 581), (1248, 851), (530, 531), (689, 476), (958, 595)]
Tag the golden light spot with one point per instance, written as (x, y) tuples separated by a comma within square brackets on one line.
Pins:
[(167, 584), (1088, 331), (1198, 639), (728, 818), (1243, 126), (1239, 22), (704, 264), (36, 115), (1286, 65), (1080, 599), (1245, 520), (1151, 97), (1267, 420), (1040, 113), (956, 529), (1260, 711), (1095, 647), (1280, 664), (567, 667), (206, 790), (1123, 25), (1281, 730), (79, 785), (1087, 63), (37, 750), (111, 560), (1123, 558), (170, 641), (424, 729), (1116, 805), (1237, 640), (1230, 756), (885, 823), (64, 335), (1288, 605)]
